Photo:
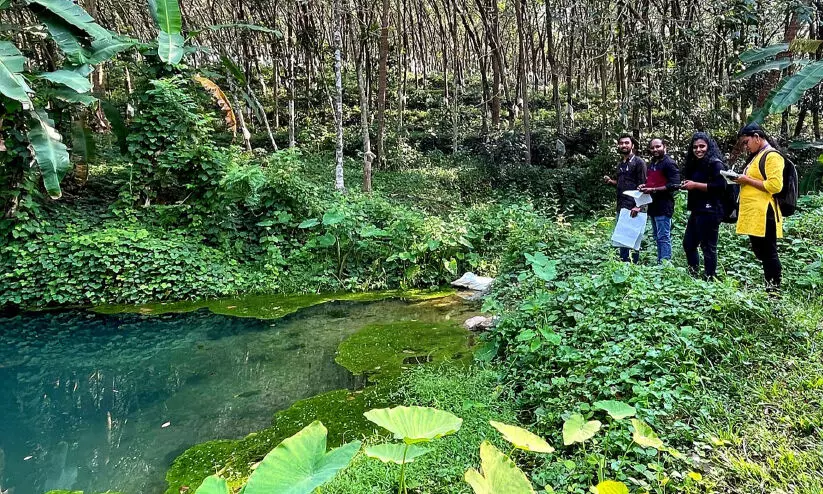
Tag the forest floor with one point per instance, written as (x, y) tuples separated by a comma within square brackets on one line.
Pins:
[(729, 378)]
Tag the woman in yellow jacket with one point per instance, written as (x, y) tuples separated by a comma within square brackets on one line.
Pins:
[(759, 215)]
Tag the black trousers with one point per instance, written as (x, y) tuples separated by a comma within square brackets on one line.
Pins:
[(701, 231), (765, 249)]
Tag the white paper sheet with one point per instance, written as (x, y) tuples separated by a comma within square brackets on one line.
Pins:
[(629, 231), (640, 198)]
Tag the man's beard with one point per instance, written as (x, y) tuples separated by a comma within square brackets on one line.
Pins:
[(624, 151)]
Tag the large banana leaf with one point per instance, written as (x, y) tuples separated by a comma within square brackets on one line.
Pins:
[(118, 125), (63, 35), (104, 49), (68, 78), (74, 15), (167, 15), (792, 88), (170, 47), (233, 69), (82, 142), (46, 145), (12, 83), (805, 45), (758, 54), (222, 101), (71, 96), (770, 65), (300, 463), (238, 25)]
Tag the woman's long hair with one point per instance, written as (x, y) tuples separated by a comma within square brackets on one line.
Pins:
[(712, 153)]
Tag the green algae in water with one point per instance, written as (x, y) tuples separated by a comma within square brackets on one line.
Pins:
[(382, 351), (269, 306)]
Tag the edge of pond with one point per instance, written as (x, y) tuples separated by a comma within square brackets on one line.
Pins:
[(341, 410)]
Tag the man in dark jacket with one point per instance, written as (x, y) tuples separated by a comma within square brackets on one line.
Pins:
[(631, 174), (663, 179)]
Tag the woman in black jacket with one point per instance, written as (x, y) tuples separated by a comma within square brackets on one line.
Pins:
[(705, 186)]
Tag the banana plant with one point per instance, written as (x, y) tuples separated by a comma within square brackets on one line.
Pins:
[(84, 44), (779, 57), (171, 44)]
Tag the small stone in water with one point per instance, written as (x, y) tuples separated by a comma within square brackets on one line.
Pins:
[(165, 425), (28, 458)]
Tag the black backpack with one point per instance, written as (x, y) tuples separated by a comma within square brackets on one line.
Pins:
[(787, 197), (730, 201)]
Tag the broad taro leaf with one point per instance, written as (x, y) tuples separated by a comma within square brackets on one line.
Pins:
[(415, 424), (68, 78), (645, 436), (395, 453), (300, 463), (213, 485), (611, 487), (758, 54), (74, 15), (12, 83), (49, 152), (792, 88), (616, 409), (577, 430), (499, 474), (522, 439), (333, 218)]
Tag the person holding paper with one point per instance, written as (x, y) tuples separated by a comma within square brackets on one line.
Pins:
[(705, 186), (759, 215), (631, 173), (662, 180)]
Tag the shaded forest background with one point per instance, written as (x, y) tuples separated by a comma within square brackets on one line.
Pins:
[(222, 125)]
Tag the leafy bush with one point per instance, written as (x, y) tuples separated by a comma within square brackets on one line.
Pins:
[(119, 264), (170, 145)]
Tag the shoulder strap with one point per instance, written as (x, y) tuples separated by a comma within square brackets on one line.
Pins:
[(762, 163)]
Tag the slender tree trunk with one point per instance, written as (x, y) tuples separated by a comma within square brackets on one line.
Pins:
[(520, 6), (338, 99), (381, 86)]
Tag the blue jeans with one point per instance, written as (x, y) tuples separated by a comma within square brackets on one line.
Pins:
[(662, 231)]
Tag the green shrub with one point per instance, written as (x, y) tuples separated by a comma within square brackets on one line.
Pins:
[(119, 264)]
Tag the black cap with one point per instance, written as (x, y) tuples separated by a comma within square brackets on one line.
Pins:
[(752, 129)]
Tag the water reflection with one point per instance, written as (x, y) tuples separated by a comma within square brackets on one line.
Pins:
[(93, 402)]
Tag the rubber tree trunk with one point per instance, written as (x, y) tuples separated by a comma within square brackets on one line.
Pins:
[(338, 95), (382, 74)]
